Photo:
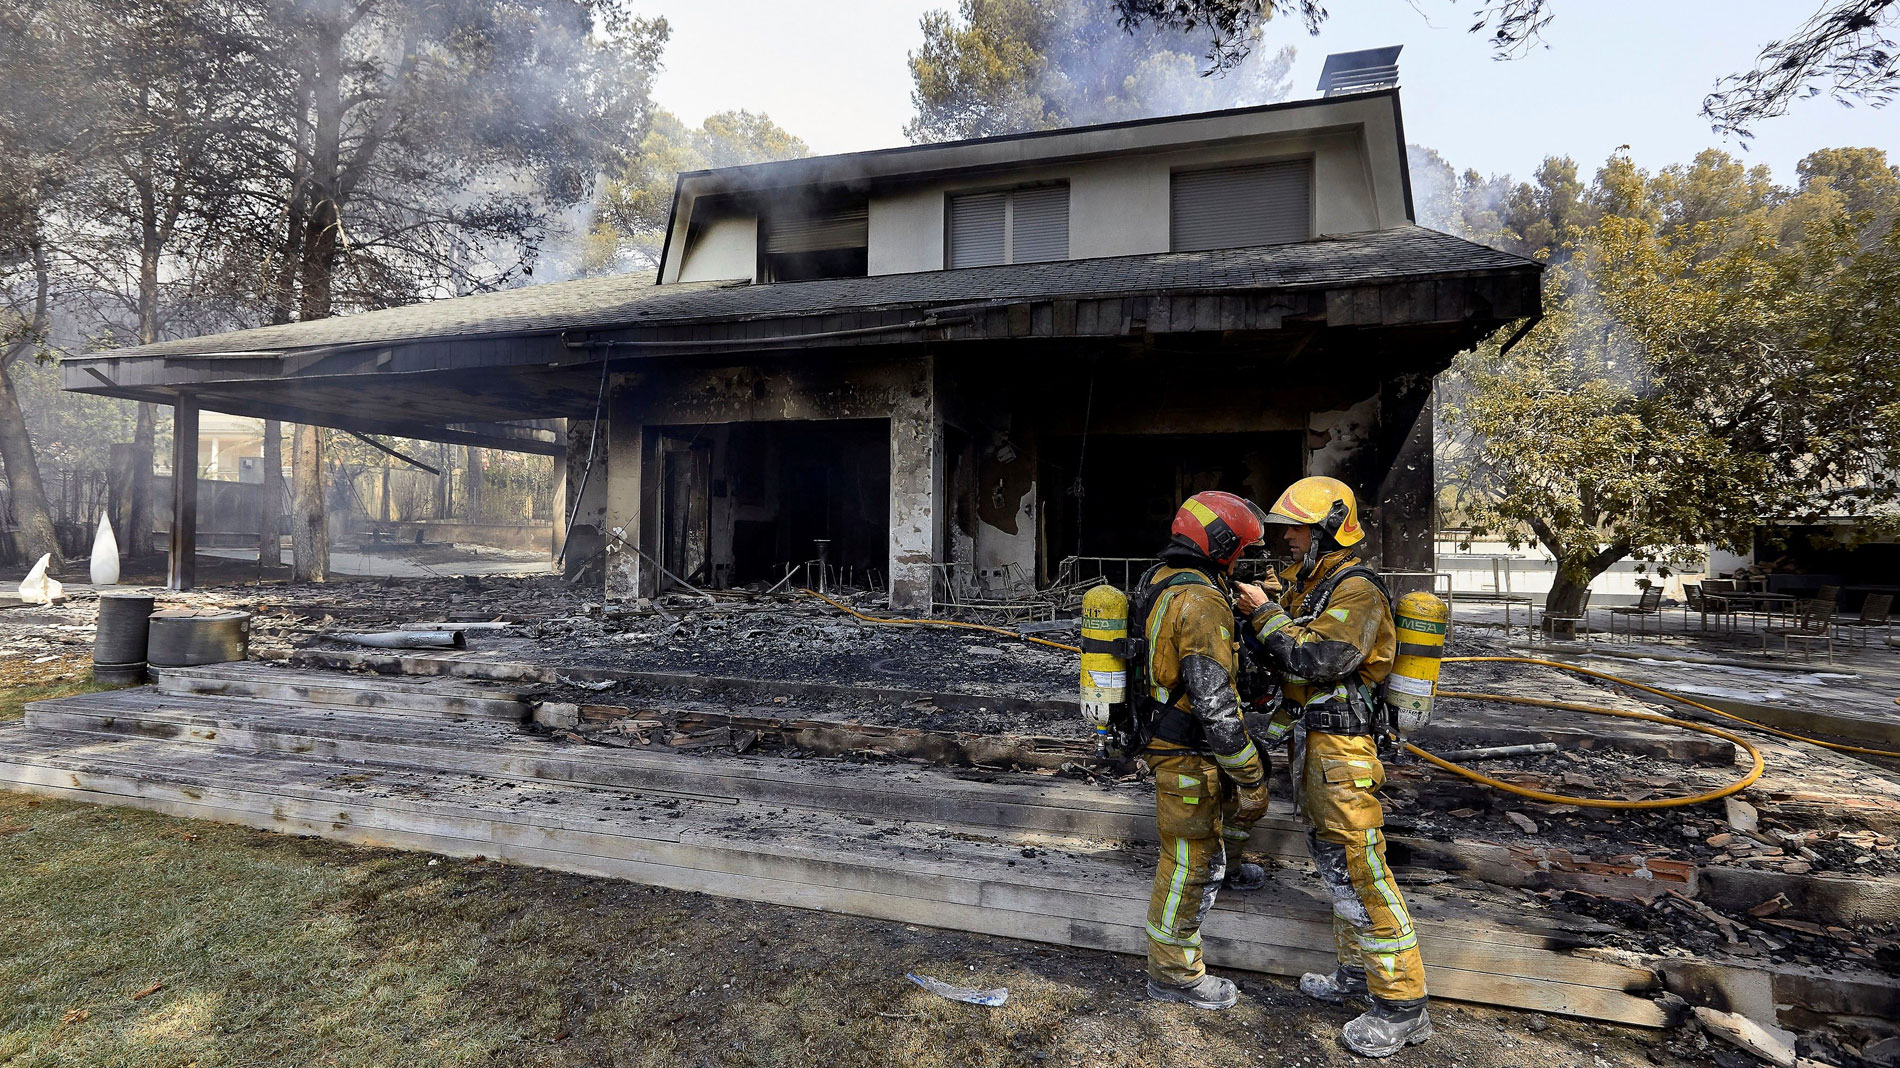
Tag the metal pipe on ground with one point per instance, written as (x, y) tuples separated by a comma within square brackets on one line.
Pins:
[(407, 639), (439, 625), (1493, 752)]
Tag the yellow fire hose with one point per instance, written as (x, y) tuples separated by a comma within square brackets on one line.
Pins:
[(1754, 754)]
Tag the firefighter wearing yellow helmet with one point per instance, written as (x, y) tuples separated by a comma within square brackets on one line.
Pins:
[(1329, 639)]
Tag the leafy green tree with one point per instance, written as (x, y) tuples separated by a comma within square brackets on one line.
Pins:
[(1716, 350), (630, 227), (1006, 66)]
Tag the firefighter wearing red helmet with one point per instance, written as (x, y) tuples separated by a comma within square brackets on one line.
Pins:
[(1208, 774)]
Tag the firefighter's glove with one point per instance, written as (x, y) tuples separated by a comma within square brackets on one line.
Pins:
[(1253, 803), (1252, 597)]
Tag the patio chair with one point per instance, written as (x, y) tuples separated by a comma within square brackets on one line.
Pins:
[(1649, 604), (1579, 624), (1813, 622), (1699, 599), (1875, 611), (1830, 594)]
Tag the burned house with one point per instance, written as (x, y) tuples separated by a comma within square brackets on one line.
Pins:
[(970, 367)]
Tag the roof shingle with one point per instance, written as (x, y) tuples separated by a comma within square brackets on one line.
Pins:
[(593, 303)]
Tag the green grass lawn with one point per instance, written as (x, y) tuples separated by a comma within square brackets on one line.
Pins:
[(14, 699)]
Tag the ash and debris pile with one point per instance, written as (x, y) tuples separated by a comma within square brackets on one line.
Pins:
[(801, 639)]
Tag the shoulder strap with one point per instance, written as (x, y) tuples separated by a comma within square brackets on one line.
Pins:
[(1156, 608), (1316, 600)]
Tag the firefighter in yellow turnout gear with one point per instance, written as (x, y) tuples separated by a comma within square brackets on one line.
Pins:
[(1207, 771), (1329, 639)]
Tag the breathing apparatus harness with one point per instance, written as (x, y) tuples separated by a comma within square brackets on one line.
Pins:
[(1362, 711), (1150, 712)]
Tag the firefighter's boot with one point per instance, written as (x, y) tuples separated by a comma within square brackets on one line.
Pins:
[(1336, 986), (1245, 876), (1388, 1027), (1207, 992)]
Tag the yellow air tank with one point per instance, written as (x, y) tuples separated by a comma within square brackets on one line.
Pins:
[(1422, 620), (1104, 671)]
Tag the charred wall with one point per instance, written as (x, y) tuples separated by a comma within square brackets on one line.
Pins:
[(1077, 453), (998, 459), (672, 434)]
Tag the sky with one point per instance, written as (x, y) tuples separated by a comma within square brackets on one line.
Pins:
[(1615, 72)]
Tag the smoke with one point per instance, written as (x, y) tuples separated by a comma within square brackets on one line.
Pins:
[(1011, 66), (1468, 205), (1096, 71)]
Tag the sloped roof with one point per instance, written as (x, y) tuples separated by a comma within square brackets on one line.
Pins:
[(1406, 252)]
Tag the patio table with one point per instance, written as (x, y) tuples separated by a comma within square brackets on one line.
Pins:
[(1766, 603)]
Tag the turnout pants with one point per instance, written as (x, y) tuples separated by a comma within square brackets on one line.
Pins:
[(1189, 798), (1338, 777)]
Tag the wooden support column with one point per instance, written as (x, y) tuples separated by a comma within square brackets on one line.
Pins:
[(182, 563)]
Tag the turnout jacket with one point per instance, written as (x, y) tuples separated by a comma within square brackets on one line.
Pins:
[(1193, 658), (1351, 641)]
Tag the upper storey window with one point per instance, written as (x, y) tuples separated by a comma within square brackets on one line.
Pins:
[(829, 242), (1238, 206), (1027, 225)]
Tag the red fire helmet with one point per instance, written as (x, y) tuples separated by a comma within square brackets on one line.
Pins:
[(1221, 525)]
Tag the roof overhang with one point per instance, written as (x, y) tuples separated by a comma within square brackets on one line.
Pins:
[(473, 369)]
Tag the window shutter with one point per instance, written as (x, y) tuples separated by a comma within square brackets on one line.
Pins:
[(844, 228), (976, 230), (1039, 224), (1233, 207)]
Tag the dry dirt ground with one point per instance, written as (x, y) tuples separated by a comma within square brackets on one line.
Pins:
[(137, 939)]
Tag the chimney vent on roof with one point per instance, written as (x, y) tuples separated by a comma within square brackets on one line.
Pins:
[(1360, 72)]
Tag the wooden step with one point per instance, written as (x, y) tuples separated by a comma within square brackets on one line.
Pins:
[(907, 872), (448, 698), (1452, 728), (1028, 804), (1031, 804)]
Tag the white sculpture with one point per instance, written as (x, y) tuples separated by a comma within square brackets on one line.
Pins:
[(105, 554), (39, 587)]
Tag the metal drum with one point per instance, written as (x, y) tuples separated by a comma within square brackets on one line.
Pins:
[(118, 647), (182, 637)]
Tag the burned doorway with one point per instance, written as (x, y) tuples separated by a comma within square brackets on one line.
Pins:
[(795, 483), (1132, 483), (686, 506)]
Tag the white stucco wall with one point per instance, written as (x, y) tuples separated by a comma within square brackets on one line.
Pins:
[(1119, 207), (906, 231), (726, 248)]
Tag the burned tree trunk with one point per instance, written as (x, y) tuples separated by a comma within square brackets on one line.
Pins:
[(138, 519), (472, 474), (37, 535), (309, 532), (321, 225)]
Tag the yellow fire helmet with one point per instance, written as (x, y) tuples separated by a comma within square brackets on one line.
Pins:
[(1325, 503)]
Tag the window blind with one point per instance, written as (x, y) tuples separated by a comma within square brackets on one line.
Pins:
[(1039, 224), (976, 230), (817, 232), (1237, 206)]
